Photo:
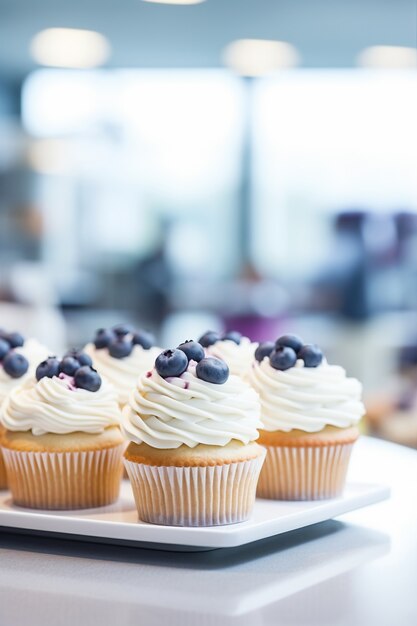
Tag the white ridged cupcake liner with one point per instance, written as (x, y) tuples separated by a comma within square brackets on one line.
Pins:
[(304, 473), (3, 472), (64, 480), (195, 496)]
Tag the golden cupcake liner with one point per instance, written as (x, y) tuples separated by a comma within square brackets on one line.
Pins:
[(3, 472), (304, 473), (195, 496), (64, 480)]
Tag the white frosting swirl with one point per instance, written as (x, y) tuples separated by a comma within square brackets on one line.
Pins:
[(123, 373), (52, 405), (35, 352), (306, 398), (168, 413), (7, 383), (239, 357)]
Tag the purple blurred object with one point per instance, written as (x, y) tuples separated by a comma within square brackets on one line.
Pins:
[(257, 328)]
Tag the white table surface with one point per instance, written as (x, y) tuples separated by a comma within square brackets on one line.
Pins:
[(358, 569)]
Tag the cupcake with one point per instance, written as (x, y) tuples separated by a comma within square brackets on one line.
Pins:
[(18, 360), (62, 443), (192, 458), (231, 347), (121, 354), (309, 411)]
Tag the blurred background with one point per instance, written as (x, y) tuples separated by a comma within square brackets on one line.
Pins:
[(184, 165)]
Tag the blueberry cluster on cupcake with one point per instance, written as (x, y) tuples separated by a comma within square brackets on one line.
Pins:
[(121, 339), (75, 368), (310, 411), (18, 357), (61, 436), (121, 354), (287, 350), (237, 351), (192, 426), (173, 363), (14, 364)]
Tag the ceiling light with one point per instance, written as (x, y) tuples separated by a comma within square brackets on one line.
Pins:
[(256, 57), (70, 47), (175, 1), (388, 57)]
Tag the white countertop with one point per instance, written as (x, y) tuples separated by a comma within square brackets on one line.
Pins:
[(358, 569)]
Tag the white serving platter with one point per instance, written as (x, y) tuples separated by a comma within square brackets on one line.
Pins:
[(119, 523)]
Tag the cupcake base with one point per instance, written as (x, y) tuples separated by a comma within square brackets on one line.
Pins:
[(204, 491), (75, 471), (3, 472), (305, 466)]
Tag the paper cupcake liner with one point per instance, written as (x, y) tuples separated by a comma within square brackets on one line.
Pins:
[(304, 473), (3, 472), (64, 480), (195, 496)]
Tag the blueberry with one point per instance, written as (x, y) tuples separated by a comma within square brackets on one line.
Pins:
[(15, 364), (212, 370), (171, 363), (120, 348), (144, 339), (233, 335), (48, 368), (69, 365), (4, 348), (193, 350), (282, 358), (82, 357), (104, 336), (290, 341), (87, 378), (15, 340), (311, 355), (264, 349), (209, 338), (122, 329)]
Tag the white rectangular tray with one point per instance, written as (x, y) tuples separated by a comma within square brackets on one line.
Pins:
[(119, 523)]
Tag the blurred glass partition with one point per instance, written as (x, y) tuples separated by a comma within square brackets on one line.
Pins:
[(327, 141), (143, 148), (166, 190)]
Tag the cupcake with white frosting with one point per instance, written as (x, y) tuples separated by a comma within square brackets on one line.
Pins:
[(62, 443), (231, 347), (13, 370), (121, 354), (310, 411), (192, 458), (18, 360)]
